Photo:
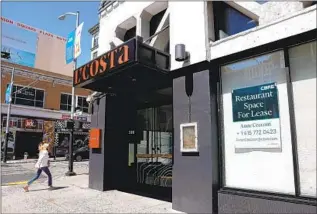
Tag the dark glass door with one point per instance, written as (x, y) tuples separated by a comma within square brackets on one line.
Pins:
[(153, 151)]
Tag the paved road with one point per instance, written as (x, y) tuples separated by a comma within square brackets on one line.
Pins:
[(20, 173), (14, 173)]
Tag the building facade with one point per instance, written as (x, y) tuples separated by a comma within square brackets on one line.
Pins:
[(40, 98), (210, 110)]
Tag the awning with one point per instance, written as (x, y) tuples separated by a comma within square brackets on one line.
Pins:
[(131, 66)]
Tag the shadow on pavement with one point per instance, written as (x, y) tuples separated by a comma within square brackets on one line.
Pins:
[(85, 173), (53, 189)]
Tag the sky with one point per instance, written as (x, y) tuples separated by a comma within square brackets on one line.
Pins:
[(44, 15)]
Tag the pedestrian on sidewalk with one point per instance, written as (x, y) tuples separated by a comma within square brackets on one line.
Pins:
[(42, 164)]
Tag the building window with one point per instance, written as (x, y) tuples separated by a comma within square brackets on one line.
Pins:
[(303, 75), (155, 21), (66, 102), (27, 96), (82, 104), (94, 55), (95, 41), (130, 34), (229, 21), (256, 125)]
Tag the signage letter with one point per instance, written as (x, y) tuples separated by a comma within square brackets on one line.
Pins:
[(84, 71), (111, 59), (94, 67), (124, 57), (103, 64)]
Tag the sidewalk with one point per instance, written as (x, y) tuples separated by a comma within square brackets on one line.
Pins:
[(72, 195)]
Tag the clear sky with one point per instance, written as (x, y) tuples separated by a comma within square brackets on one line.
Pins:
[(44, 15)]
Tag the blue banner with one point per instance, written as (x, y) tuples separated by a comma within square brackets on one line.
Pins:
[(70, 47), (8, 93)]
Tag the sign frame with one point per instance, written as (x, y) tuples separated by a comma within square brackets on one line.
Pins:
[(194, 148)]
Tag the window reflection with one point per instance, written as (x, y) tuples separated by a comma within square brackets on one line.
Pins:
[(229, 21)]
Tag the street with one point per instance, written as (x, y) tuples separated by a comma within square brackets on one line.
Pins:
[(70, 194), (20, 173)]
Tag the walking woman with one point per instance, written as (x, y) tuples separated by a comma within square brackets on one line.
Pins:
[(42, 164)]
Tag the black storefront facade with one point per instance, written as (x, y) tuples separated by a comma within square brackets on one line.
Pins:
[(227, 172)]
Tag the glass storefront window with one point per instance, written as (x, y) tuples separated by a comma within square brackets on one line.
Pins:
[(256, 125), (303, 75)]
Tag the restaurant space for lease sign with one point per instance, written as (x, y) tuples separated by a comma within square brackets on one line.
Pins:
[(256, 118)]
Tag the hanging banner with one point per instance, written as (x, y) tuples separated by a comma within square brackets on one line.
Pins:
[(8, 93), (77, 47), (70, 47), (256, 117)]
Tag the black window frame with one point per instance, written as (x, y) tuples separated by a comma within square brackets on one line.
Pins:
[(219, 10), (20, 99), (67, 105), (284, 45), (82, 107)]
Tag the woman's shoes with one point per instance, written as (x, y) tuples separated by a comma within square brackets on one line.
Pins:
[(50, 188), (26, 188)]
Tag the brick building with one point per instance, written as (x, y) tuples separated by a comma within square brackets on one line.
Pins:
[(40, 98)]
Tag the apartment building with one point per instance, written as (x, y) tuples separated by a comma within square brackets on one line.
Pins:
[(213, 104), (42, 87)]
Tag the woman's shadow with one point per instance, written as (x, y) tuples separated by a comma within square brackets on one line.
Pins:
[(48, 188)]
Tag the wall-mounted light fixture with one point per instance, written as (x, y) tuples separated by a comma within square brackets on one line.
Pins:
[(180, 53)]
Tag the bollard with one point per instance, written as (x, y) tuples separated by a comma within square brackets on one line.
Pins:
[(25, 155)]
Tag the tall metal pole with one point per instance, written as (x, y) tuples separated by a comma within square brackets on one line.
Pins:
[(8, 120), (71, 140), (75, 66)]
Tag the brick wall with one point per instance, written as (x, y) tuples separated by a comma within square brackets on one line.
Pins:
[(52, 92)]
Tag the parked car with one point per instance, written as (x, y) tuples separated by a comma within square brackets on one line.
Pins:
[(80, 154)]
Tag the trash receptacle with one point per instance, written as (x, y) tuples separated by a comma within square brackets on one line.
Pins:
[(26, 155)]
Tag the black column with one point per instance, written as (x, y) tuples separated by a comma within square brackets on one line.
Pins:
[(120, 118), (109, 169), (96, 157), (195, 176)]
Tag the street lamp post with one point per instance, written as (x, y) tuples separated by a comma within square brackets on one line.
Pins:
[(70, 150), (6, 139)]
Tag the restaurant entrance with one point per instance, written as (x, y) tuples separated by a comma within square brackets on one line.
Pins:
[(151, 153), (134, 115)]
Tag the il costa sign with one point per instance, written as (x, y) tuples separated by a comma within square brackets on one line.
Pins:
[(105, 63)]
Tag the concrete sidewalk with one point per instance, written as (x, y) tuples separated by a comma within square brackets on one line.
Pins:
[(72, 195)]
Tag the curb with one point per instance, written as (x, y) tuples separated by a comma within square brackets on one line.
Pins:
[(31, 161)]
